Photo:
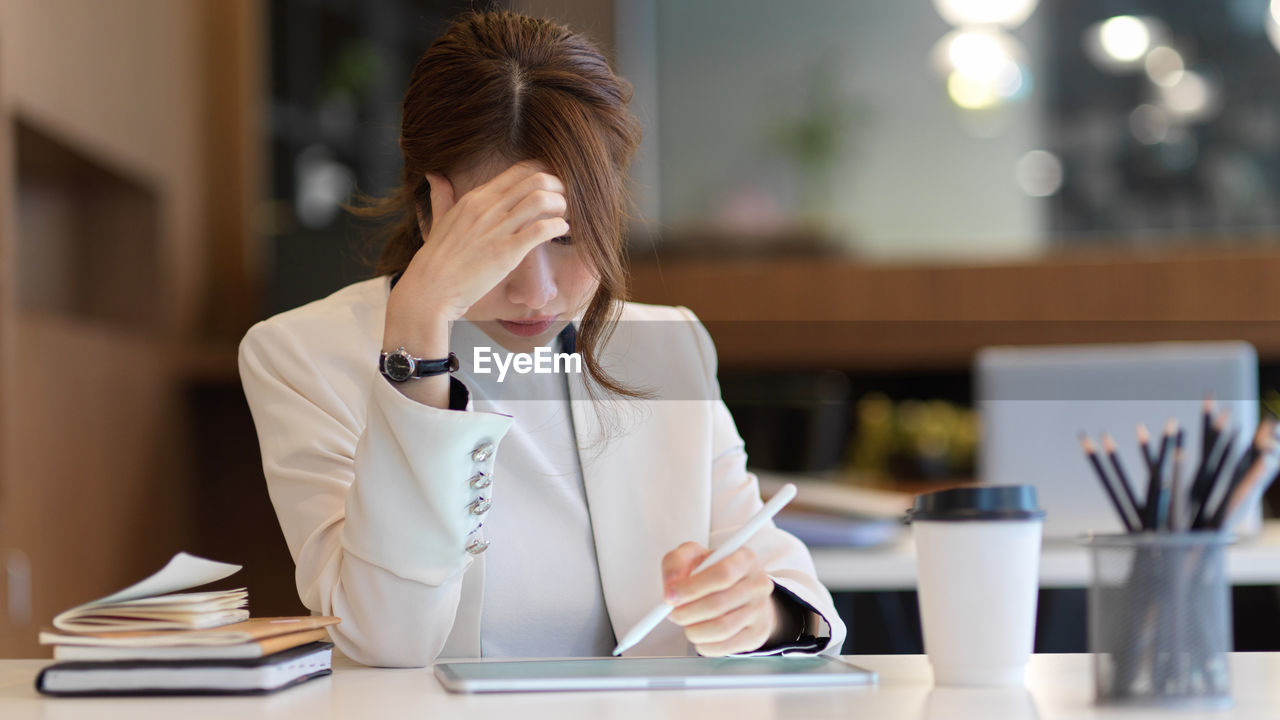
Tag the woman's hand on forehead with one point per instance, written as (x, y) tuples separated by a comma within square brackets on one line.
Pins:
[(474, 241), (506, 189)]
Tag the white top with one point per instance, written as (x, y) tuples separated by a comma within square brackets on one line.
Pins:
[(541, 599), (1058, 687), (374, 496)]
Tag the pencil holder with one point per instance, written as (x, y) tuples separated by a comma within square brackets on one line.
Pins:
[(1160, 619)]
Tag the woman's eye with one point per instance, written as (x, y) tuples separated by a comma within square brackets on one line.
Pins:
[(563, 240)]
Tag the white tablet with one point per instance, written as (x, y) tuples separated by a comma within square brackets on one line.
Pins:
[(663, 673)]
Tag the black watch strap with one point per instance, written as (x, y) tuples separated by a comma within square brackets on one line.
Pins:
[(400, 366)]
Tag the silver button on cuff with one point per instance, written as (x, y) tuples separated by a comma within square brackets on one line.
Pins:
[(475, 547), (479, 506), (480, 481), (482, 452)]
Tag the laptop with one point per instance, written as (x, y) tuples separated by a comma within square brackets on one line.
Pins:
[(1035, 401)]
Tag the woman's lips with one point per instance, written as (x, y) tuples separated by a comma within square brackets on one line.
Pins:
[(528, 328)]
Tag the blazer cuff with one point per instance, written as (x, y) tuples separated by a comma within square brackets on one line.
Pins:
[(421, 493), (814, 635)]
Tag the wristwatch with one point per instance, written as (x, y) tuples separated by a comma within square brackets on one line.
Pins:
[(399, 366)]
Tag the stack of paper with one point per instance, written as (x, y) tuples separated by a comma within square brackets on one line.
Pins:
[(150, 638), (252, 638), (830, 513)]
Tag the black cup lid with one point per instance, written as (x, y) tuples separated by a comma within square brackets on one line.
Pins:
[(986, 502)]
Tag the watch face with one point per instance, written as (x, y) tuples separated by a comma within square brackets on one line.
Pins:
[(399, 366)]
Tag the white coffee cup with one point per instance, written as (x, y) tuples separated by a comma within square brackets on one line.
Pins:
[(978, 555)]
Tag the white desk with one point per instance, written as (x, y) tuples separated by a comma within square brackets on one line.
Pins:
[(1058, 686), (1062, 564)]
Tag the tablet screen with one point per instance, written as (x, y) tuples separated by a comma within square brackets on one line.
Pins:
[(648, 673)]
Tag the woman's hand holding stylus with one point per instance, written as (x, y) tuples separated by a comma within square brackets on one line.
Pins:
[(727, 608), (471, 245)]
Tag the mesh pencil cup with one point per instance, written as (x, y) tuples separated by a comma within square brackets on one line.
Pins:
[(1160, 619)]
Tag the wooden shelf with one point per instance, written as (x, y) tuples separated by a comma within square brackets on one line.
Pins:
[(87, 237), (832, 312)]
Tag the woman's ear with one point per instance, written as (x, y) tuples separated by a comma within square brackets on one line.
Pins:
[(438, 197), (422, 220), (441, 196)]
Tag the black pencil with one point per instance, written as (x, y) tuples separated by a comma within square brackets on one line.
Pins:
[(1172, 504), (1200, 510), (1212, 451), (1091, 452), (1206, 423), (1210, 434), (1155, 484), (1130, 500), (1207, 435), (1144, 442)]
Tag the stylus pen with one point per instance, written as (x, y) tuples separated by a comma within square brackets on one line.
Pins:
[(659, 613)]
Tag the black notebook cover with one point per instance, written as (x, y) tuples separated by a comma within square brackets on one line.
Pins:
[(197, 677)]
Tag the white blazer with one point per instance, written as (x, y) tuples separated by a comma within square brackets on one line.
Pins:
[(372, 489)]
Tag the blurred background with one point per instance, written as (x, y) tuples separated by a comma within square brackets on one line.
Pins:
[(854, 196)]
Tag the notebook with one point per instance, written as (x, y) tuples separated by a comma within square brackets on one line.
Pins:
[(250, 630), (239, 651), (188, 677)]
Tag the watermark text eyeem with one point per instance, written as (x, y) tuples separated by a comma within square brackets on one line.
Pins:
[(541, 361)]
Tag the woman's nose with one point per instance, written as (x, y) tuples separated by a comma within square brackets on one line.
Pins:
[(533, 282)]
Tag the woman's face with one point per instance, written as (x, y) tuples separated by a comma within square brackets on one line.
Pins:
[(551, 286)]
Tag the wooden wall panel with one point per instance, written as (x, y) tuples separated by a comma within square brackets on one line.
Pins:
[(97, 496), (838, 313), (96, 463), (235, 46), (8, 349)]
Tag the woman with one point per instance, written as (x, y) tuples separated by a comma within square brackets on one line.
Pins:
[(443, 512)]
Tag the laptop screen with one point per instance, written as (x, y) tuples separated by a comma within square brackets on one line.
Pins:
[(1034, 402)]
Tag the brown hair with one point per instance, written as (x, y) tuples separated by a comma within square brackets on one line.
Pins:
[(500, 84)]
